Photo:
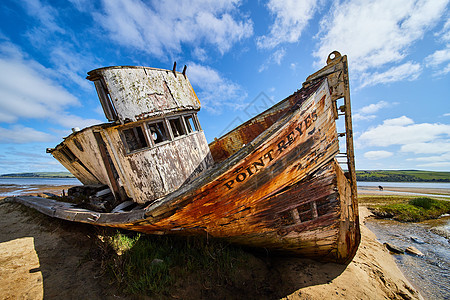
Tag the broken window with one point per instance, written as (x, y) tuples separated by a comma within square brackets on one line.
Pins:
[(158, 132), (177, 127), (190, 123), (105, 100), (134, 138)]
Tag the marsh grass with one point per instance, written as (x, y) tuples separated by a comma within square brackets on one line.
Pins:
[(153, 265), (406, 208)]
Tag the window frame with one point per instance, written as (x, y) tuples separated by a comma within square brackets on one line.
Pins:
[(183, 126), (144, 133), (188, 124), (147, 134), (168, 134)]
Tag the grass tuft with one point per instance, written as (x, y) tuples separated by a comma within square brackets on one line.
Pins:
[(423, 202), (411, 210), (152, 265)]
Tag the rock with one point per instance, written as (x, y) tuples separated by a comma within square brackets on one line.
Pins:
[(413, 250), (50, 195), (394, 249), (417, 240), (441, 231), (157, 261)]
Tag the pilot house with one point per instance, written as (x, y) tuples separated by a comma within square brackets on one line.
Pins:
[(153, 143)]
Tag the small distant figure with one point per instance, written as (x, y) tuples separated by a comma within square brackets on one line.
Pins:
[(380, 187)]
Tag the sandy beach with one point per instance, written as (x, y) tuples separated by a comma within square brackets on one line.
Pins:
[(41, 257)]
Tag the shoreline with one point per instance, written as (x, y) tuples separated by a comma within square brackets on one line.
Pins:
[(443, 193)]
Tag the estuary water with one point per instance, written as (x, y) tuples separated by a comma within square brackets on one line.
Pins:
[(420, 185), (436, 189), (20, 186), (430, 274)]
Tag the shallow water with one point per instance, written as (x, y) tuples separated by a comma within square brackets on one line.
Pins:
[(423, 185), (431, 189), (431, 273), (20, 186)]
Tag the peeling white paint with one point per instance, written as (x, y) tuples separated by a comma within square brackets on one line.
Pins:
[(138, 93)]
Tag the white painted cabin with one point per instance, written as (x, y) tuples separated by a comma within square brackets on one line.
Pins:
[(154, 142)]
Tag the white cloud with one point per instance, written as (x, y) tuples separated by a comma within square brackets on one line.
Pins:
[(291, 18), (439, 161), (403, 131), (438, 57), (27, 92), (374, 155), (401, 121), (440, 165), (83, 5), (72, 65), (438, 158), (373, 108), (407, 71), (376, 33), (447, 115), (362, 117), (20, 135), (215, 91), (445, 70), (437, 147), (275, 58), (445, 32), (200, 54), (368, 112), (44, 13), (162, 27), (71, 121), (432, 140)]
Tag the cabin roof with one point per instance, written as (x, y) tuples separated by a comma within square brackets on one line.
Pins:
[(130, 93)]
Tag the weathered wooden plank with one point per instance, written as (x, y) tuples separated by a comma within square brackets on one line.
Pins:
[(138, 93), (276, 183)]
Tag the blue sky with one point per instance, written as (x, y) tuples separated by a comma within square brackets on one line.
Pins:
[(241, 56)]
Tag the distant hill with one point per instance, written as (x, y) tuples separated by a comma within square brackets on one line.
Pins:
[(39, 175), (403, 176)]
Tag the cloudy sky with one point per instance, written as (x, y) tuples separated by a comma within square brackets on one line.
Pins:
[(241, 57)]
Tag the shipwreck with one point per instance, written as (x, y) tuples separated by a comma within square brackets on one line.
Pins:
[(278, 181)]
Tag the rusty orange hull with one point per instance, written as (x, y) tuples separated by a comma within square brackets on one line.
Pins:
[(276, 184)]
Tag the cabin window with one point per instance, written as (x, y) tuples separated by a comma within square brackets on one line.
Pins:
[(158, 132), (177, 127), (105, 100), (134, 138), (191, 126)]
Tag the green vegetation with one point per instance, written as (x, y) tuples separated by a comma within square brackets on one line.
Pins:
[(153, 265), (401, 176), (406, 209), (39, 175)]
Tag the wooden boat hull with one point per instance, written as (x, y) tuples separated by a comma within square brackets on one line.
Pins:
[(283, 190)]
